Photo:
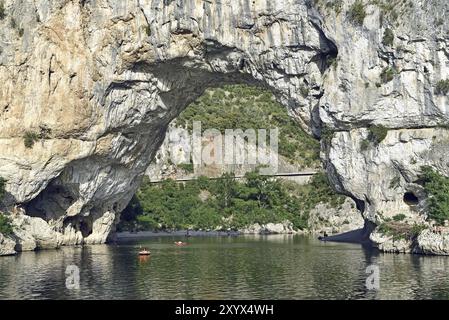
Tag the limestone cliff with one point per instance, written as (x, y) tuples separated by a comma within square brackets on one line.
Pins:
[(91, 86)]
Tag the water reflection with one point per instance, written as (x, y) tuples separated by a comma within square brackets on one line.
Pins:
[(251, 267)]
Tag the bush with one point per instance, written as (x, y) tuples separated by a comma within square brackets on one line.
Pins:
[(2, 188), (304, 90), (387, 74), (327, 135), (2, 10), (30, 138), (395, 182), (400, 230), (147, 222), (6, 227), (231, 204), (388, 37), (399, 217), (437, 189), (377, 133), (336, 5), (357, 13), (187, 167), (442, 87), (364, 145)]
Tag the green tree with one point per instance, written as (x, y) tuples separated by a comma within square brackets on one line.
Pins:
[(226, 190), (388, 37), (30, 138), (442, 87), (357, 13), (387, 74), (6, 227), (437, 189)]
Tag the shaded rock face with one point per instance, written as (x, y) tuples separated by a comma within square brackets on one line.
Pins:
[(98, 81)]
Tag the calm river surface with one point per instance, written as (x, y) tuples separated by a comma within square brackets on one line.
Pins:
[(258, 267)]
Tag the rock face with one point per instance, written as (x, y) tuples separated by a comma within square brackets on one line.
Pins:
[(335, 220), (270, 228), (7, 246), (427, 242), (95, 83)]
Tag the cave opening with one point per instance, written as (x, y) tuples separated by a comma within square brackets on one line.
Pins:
[(83, 224), (53, 201), (411, 199)]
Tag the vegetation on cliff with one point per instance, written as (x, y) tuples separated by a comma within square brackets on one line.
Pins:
[(376, 134), (249, 107), (225, 203), (437, 189), (5, 223), (400, 230), (388, 37), (2, 188), (2, 10), (357, 13), (442, 87)]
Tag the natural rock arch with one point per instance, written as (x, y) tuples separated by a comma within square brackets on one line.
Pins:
[(142, 65)]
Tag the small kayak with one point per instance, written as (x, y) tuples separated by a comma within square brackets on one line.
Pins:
[(180, 243), (144, 253)]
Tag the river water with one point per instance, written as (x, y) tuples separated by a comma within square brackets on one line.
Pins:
[(246, 267)]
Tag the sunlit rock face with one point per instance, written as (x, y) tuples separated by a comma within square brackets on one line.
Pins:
[(98, 81), (355, 97)]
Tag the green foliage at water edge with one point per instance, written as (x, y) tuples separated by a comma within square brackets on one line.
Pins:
[(226, 203)]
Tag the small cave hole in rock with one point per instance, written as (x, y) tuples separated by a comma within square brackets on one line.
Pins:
[(79, 224), (411, 199)]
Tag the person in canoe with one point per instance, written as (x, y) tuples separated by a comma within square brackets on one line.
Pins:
[(180, 243), (323, 238), (144, 252)]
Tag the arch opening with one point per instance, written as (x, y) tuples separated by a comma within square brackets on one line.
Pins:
[(216, 196)]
